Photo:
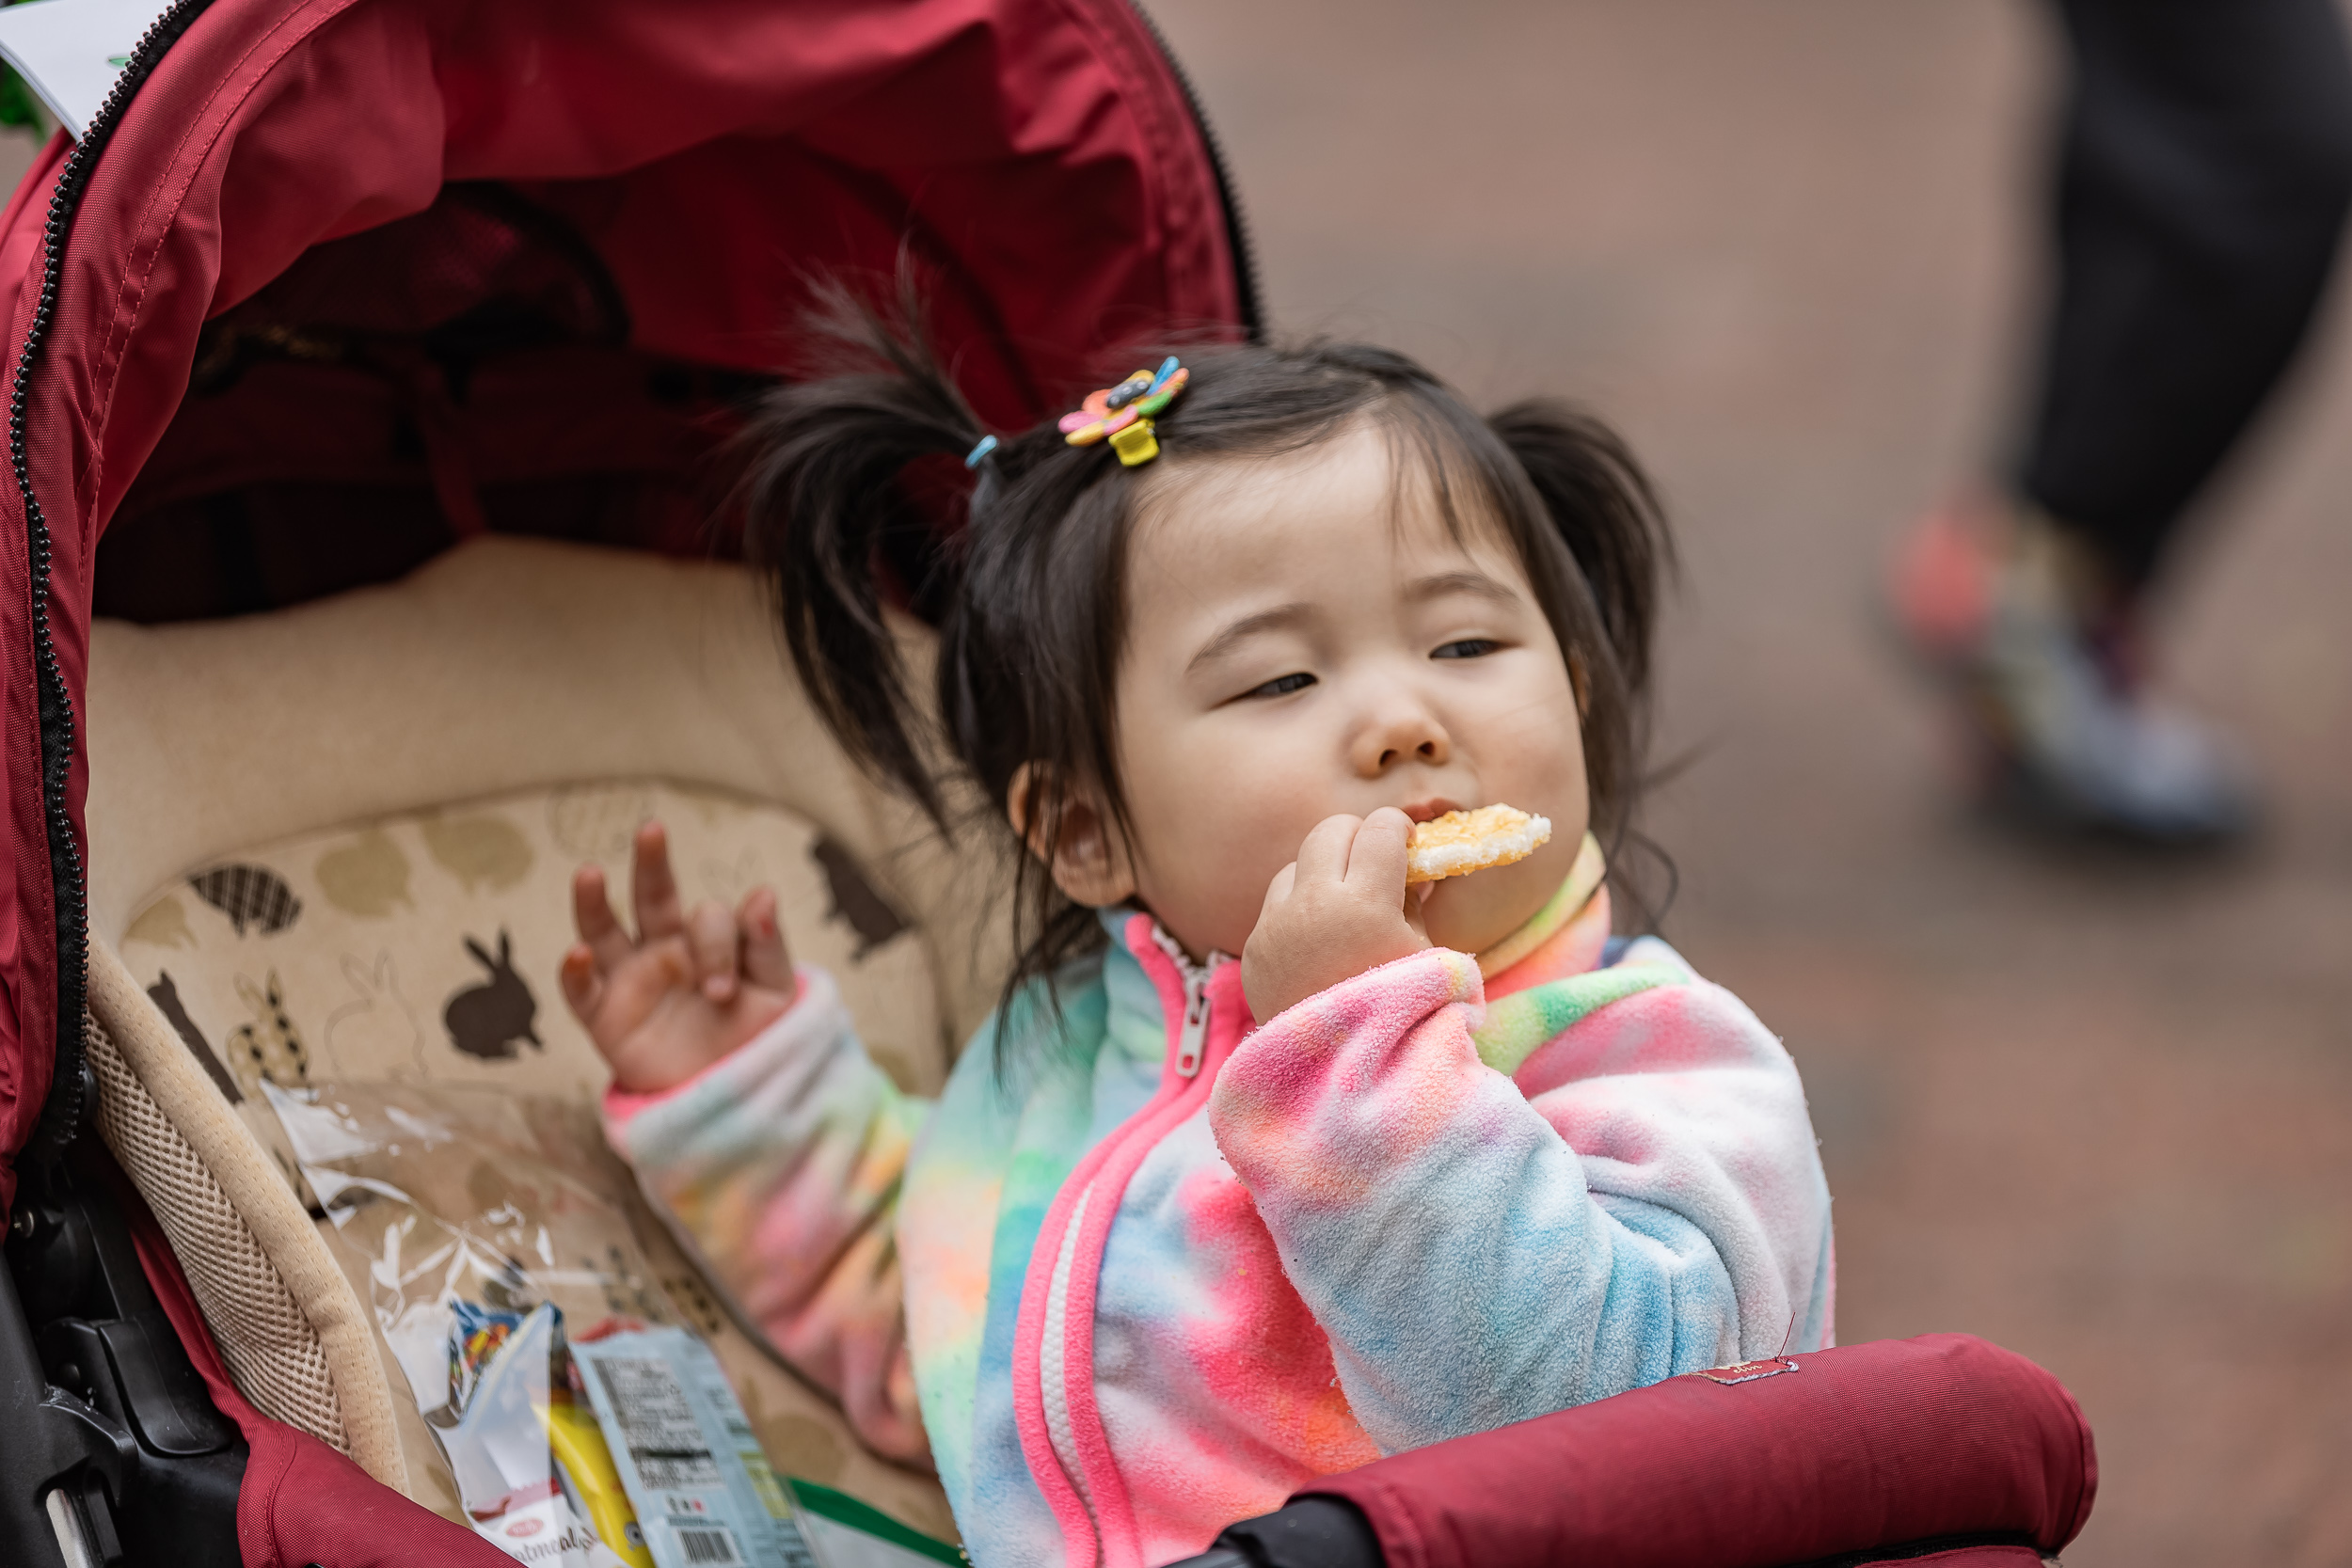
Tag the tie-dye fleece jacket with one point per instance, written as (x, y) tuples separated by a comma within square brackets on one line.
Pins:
[(1170, 1267)]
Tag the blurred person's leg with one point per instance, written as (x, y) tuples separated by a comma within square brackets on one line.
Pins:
[(2205, 162), (2204, 168)]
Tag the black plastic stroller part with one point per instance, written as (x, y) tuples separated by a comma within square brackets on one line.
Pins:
[(113, 1452), (1305, 1532)]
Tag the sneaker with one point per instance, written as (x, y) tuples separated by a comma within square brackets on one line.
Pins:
[(2052, 699)]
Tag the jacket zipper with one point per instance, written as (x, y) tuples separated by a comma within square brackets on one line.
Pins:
[(1228, 195), (1067, 1260), (1196, 1034), (1192, 1038), (69, 1085), (1053, 1372), (1191, 1045)]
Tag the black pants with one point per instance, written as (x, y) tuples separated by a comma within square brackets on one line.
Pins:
[(2205, 170)]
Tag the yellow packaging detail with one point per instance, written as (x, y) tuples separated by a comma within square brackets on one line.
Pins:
[(577, 1443)]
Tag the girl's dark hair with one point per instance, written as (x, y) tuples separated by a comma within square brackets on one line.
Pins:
[(1030, 596)]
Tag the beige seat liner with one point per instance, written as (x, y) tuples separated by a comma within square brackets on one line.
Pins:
[(511, 706)]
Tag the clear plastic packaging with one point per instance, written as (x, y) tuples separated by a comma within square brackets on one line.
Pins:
[(530, 1462), (582, 1424)]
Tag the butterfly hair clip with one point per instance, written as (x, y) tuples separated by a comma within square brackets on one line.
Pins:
[(1122, 414)]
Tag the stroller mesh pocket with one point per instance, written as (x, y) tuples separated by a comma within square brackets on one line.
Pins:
[(272, 1351)]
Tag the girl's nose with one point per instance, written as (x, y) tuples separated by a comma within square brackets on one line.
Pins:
[(1403, 730)]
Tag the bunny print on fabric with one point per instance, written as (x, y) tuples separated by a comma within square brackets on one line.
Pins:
[(489, 1021), (376, 1033), (855, 902), (269, 1048), (165, 996)]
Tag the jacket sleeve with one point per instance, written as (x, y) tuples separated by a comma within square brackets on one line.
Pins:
[(779, 1166), (1643, 1199)]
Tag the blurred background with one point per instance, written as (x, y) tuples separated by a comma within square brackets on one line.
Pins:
[(2093, 1105)]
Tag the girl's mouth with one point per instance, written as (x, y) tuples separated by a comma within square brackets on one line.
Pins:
[(1431, 809)]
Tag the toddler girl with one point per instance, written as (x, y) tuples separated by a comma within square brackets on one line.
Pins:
[(1183, 1231)]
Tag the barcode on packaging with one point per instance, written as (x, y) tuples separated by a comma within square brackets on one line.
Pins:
[(709, 1547)]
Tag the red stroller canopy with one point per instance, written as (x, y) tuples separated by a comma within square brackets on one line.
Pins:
[(1038, 160)]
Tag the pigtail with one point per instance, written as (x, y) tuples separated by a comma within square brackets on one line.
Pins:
[(1607, 513), (826, 496), (1602, 507)]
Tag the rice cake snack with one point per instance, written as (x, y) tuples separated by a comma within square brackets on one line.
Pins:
[(1465, 841)]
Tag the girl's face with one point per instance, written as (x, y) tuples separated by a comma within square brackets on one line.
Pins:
[(1306, 639)]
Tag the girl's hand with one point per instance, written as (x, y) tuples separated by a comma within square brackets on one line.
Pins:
[(689, 988), (1341, 908)]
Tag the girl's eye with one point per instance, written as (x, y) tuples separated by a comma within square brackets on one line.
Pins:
[(1282, 686), (1467, 647)]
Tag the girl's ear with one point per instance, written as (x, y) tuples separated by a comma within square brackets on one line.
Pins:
[(1581, 682), (1070, 830)]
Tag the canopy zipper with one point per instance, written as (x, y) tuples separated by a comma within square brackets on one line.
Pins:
[(1228, 195), (69, 1086)]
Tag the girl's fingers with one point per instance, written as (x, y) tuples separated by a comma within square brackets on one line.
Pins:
[(710, 937), (636, 990), (1376, 858), (652, 888), (581, 982), (1322, 858), (606, 944), (765, 960)]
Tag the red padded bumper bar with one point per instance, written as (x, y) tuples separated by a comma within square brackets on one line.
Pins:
[(1898, 1443)]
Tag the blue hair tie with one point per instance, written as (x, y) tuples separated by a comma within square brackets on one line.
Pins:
[(987, 444)]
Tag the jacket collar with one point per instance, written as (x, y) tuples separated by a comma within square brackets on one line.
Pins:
[(1580, 897)]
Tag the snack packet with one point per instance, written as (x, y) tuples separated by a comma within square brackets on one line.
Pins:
[(581, 1424), (687, 1458), (531, 1463)]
